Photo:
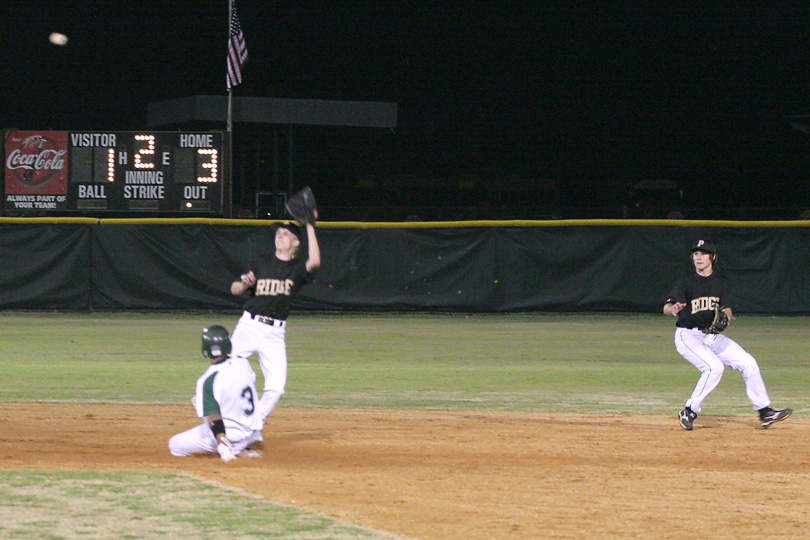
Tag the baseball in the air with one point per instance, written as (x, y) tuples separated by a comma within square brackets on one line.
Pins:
[(58, 39)]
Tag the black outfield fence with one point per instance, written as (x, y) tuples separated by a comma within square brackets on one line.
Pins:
[(474, 266)]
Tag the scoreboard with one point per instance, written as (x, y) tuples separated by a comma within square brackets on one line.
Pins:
[(114, 171)]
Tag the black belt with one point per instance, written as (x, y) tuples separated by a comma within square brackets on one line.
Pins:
[(704, 329), (268, 320)]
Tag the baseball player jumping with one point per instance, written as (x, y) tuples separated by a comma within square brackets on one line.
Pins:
[(693, 300), (273, 281), (226, 399)]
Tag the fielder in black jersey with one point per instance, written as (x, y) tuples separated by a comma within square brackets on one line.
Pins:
[(273, 282), (703, 293), (693, 299)]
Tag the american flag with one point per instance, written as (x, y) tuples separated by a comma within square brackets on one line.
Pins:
[(237, 51)]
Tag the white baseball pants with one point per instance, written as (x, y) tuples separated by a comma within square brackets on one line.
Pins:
[(711, 353), (269, 343), (201, 440)]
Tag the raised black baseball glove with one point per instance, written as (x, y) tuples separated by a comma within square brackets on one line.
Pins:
[(720, 321), (302, 207)]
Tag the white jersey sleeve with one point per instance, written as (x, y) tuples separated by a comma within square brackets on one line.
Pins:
[(229, 388)]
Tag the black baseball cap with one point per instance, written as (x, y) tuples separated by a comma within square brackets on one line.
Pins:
[(292, 227), (705, 246)]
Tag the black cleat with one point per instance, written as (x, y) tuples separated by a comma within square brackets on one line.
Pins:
[(768, 416), (687, 418)]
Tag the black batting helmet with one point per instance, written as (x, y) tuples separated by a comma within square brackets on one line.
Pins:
[(215, 342)]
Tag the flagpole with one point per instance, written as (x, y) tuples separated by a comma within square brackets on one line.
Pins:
[(229, 123)]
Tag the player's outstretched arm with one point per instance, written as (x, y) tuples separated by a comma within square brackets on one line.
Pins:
[(314, 254)]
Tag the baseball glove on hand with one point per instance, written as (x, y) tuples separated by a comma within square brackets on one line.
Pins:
[(302, 207), (720, 321)]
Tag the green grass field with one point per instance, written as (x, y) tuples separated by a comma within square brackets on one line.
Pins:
[(593, 363), (145, 506), (588, 363)]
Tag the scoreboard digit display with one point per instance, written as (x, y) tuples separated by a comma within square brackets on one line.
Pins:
[(98, 171)]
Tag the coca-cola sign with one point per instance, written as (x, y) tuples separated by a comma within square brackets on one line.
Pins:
[(36, 162)]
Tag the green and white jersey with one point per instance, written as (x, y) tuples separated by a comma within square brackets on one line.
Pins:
[(229, 388)]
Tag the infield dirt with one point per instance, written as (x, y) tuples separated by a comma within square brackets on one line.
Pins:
[(436, 475)]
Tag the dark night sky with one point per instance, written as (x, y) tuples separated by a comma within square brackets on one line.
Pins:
[(607, 91)]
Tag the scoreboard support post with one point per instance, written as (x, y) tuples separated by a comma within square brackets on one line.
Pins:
[(227, 179)]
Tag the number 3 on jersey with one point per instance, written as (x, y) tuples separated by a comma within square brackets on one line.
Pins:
[(247, 395)]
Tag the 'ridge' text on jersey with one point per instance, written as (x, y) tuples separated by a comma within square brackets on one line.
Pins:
[(273, 287), (704, 303)]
